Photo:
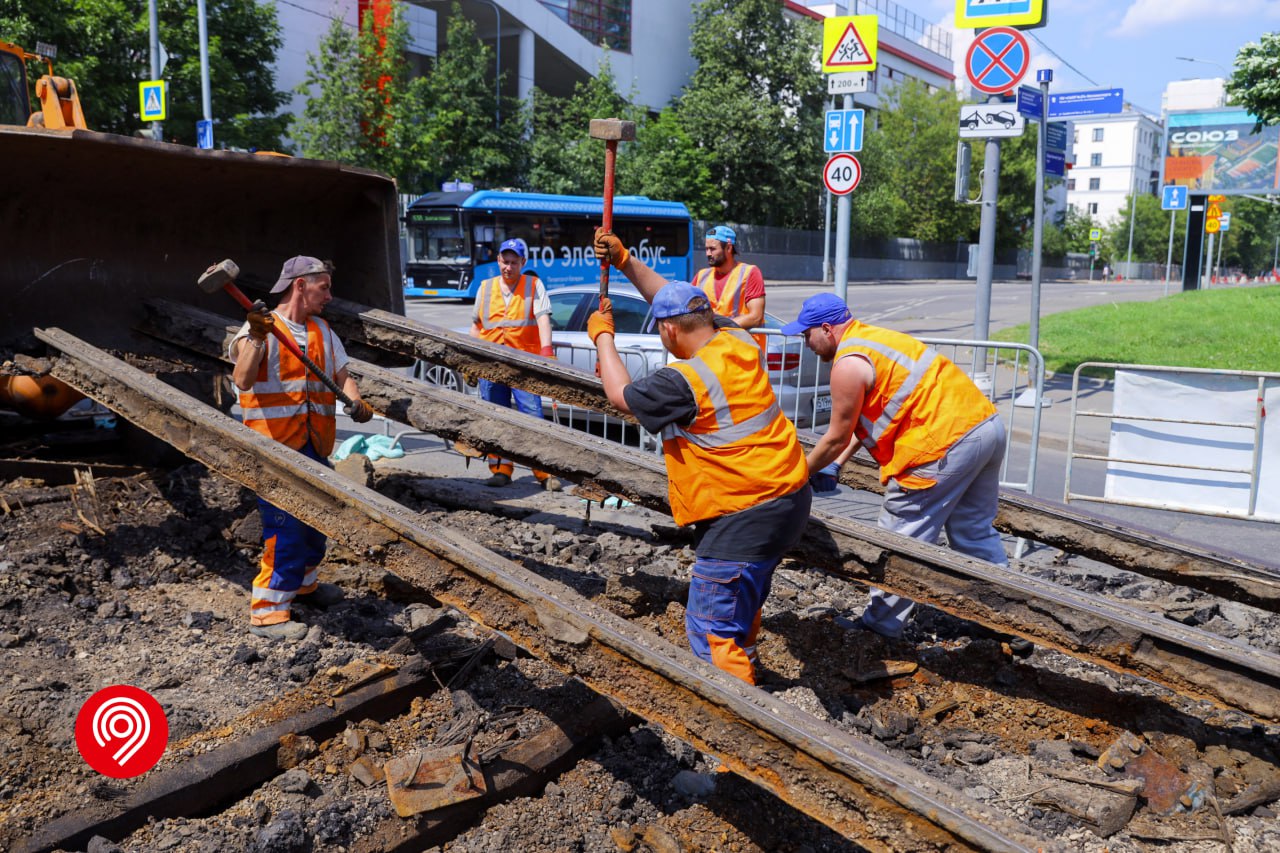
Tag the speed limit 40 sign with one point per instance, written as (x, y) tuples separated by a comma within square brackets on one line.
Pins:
[(842, 174)]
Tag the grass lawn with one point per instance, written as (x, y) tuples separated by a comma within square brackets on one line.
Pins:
[(1228, 329)]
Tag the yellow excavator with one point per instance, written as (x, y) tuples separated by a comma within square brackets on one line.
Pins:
[(92, 224)]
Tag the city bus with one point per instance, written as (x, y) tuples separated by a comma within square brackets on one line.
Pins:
[(453, 237)]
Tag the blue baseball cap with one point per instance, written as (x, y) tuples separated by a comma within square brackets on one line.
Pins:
[(516, 245), (816, 310), (677, 298), (724, 234)]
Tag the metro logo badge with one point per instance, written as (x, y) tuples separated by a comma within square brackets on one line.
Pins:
[(971, 14), (849, 43), (152, 100), (997, 60)]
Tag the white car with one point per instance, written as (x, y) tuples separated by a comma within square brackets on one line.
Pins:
[(800, 379)]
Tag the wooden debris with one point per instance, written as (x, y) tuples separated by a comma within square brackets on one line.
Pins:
[(1105, 813), (431, 779), (879, 670), (1250, 798), (359, 673)]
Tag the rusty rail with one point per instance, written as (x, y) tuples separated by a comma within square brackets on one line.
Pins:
[(856, 789), (1093, 628)]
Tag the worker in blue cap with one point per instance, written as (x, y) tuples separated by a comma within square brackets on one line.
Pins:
[(735, 471), (735, 289), (938, 440)]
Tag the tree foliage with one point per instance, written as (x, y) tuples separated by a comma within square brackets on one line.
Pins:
[(1255, 81), (104, 46), (754, 106)]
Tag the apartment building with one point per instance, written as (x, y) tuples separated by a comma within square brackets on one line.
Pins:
[(1114, 155)]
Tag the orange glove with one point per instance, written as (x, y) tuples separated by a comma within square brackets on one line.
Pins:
[(260, 321), (606, 245), (549, 352), (360, 411), (601, 321)]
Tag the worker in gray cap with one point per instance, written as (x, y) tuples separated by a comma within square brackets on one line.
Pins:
[(281, 399)]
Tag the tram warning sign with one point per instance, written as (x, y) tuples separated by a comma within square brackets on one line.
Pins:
[(842, 174), (849, 43)]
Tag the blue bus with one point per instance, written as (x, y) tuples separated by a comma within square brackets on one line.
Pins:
[(452, 237)]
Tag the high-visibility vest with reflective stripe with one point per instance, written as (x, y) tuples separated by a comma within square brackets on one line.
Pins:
[(918, 406), (509, 322), (286, 402), (740, 450), (732, 301)]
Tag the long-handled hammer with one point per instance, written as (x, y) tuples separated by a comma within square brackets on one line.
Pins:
[(611, 130), (222, 276)]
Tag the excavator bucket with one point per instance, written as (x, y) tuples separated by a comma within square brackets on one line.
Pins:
[(93, 223)]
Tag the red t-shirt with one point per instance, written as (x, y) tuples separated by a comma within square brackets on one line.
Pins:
[(752, 288)]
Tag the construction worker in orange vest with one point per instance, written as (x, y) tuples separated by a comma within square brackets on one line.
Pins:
[(512, 309), (735, 289), (735, 470), (937, 438), (280, 398)]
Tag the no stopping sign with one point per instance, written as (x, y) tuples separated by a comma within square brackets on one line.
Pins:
[(842, 174)]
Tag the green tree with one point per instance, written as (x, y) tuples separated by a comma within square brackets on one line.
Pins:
[(754, 105), (1252, 238), (667, 165), (1255, 80), (104, 46), (1150, 231), (363, 107), (460, 136)]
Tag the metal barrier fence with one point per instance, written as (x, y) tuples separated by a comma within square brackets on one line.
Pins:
[(1253, 428)]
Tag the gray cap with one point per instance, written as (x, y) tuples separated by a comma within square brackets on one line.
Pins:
[(298, 266)]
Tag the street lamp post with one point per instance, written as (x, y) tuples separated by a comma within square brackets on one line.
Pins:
[(1205, 62)]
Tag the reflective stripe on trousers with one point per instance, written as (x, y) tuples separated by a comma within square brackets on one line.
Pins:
[(291, 554)]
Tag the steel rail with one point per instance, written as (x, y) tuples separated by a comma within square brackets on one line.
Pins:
[(1093, 628), (1130, 547), (858, 790)]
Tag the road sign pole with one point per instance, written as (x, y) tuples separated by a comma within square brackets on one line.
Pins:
[(1037, 249), (1133, 203), (986, 258), (1168, 262), (1218, 265), (153, 18), (1208, 264), (843, 208), (206, 99), (826, 226)]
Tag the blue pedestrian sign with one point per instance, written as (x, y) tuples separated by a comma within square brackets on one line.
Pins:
[(151, 100), (1174, 197), (1097, 102), (843, 131), (1029, 102), (204, 133), (1055, 163)]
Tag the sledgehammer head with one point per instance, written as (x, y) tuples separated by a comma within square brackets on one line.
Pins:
[(613, 129), (218, 276)]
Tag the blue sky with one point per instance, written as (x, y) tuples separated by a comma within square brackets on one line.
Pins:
[(1132, 44)]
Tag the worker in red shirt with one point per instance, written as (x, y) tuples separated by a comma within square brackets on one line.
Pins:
[(734, 289)]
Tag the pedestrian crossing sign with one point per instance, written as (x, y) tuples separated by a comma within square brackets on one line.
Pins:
[(152, 100), (849, 43)]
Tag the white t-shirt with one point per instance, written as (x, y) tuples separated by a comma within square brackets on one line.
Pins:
[(298, 332)]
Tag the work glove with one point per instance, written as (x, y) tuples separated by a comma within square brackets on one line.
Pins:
[(549, 352), (608, 247), (261, 321), (601, 321), (826, 481), (359, 411)]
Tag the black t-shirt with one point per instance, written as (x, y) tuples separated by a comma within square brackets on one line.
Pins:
[(761, 532)]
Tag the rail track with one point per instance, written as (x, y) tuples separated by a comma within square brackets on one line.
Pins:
[(864, 794)]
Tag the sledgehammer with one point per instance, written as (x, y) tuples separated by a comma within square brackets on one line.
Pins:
[(222, 276), (611, 130)]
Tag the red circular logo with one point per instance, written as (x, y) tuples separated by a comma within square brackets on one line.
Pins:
[(121, 731)]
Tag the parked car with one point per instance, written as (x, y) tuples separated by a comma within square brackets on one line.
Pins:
[(801, 381), (1003, 117)]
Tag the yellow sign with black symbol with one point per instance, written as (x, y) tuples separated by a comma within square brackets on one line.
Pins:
[(1212, 226), (849, 43)]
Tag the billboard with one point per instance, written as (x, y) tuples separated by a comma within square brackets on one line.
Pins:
[(1216, 151)]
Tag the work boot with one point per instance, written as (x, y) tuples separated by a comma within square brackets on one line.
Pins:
[(324, 595), (291, 631), (553, 484), (497, 481)]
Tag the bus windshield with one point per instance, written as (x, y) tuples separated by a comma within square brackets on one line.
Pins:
[(437, 237)]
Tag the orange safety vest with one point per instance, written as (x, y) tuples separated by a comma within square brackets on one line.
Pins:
[(509, 323), (732, 301), (918, 406), (740, 450), (286, 402)]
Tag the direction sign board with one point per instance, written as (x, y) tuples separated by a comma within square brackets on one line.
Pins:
[(1030, 102), (989, 121), (1096, 102), (151, 100), (849, 43), (1055, 136), (843, 131), (842, 173), (204, 134), (971, 14), (1226, 221), (847, 83), (1055, 163), (1095, 234), (1174, 197), (997, 60)]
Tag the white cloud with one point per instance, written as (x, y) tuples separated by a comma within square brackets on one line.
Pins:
[(1144, 15)]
